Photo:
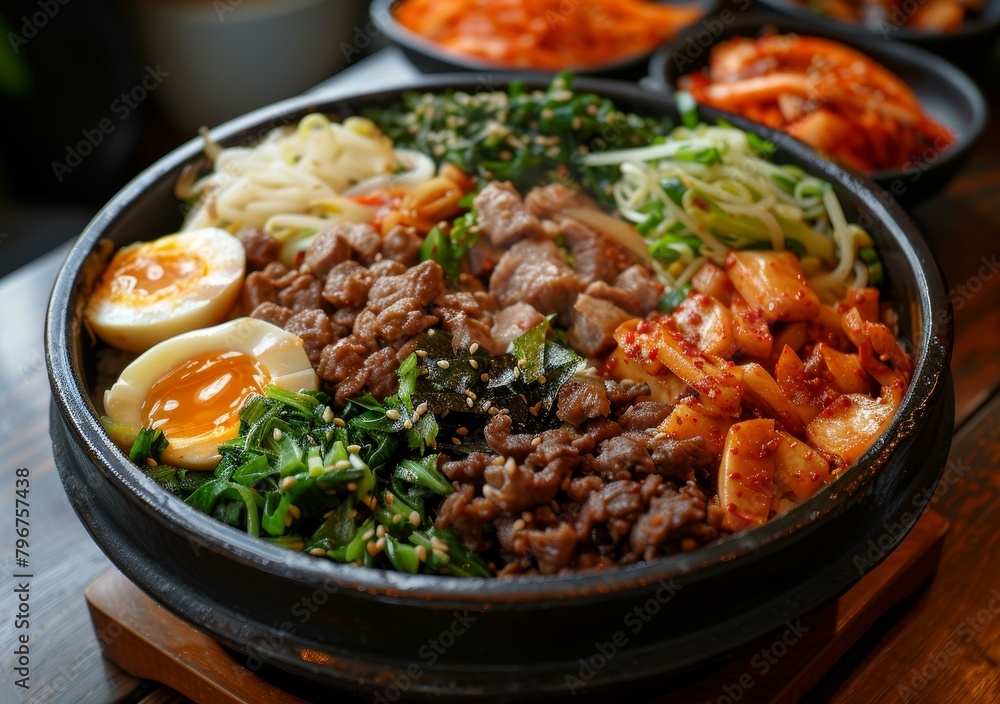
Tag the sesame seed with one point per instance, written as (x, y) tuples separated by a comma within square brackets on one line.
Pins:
[(392, 414), (150, 461), (327, 415), (533, 411), (565, 484), (439, 545), (341, 464), (397, 518), (470, 394), (288, 520), (456, 441), (422, 408), (317, 552), (473, 348), (421, 353), (518, 525), (369, 534), (659, 436), (277, 434), (536, 441), (407, 424), (474, 364), (328, 435), (339, 422), (354, 449), (351, 486), (541, 378), (353, 513), (443, 363), (380, 530), (484, 377), (517, 373), (373, 549), (421, 552), (390, 498), (493, 411), (462, 432), (554, 505), (288, 482), (526, 516), (522, 363), (469, 402), (498, 461), (329, 513), (295, 511), (430, 333), (510, 466), (414, 519)]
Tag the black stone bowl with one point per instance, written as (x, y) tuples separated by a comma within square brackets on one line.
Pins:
[(431, 57), (967, 46), (371, 631), (946, 93)]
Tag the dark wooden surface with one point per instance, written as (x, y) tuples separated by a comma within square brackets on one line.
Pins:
[(941, 645)]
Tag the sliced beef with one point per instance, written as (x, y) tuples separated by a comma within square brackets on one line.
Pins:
[(342, 359), (422, 283), (581, 399), (676, 517), (272, 313), (552, 548), (261, 249), (304, 293), (644, 415), (467, 469), (643, 290), (536, 272), (261, 286), (327, 249), (502, 215), (502, 442), (314, 328), (595, 257), (684, 460), (594, 323), (547, 202), (512, 322), (467, 516), (622, 458), (616, 506), (347, 285), (379, 370), (401, 244), (364, 240)]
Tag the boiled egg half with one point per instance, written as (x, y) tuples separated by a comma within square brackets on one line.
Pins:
[(151, 291), (193, 386)]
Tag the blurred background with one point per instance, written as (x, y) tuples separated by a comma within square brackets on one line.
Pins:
[(93, 91)]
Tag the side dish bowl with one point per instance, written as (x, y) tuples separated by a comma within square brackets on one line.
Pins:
[(367, 630), (431, 57), (947, 95), (965, 45)]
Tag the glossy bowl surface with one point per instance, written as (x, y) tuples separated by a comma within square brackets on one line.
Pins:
[(368, 630), (947, 94), (431, 57)]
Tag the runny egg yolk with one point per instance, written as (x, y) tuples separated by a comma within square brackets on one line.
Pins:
[(199, 401), (152, 272)]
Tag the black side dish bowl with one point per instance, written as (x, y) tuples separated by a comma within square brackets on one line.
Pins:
[(431, 57), (947, 95), (369, 631), (965, 46)]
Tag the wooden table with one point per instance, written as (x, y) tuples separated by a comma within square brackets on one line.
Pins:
[(942, 645)]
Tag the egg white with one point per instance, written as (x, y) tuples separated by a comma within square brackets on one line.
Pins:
[(281, 355), (133, 322)]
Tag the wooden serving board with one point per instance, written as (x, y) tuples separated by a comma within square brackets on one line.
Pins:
[(148, 642)]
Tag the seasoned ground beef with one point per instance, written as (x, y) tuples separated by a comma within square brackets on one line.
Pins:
[(600, 486)]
